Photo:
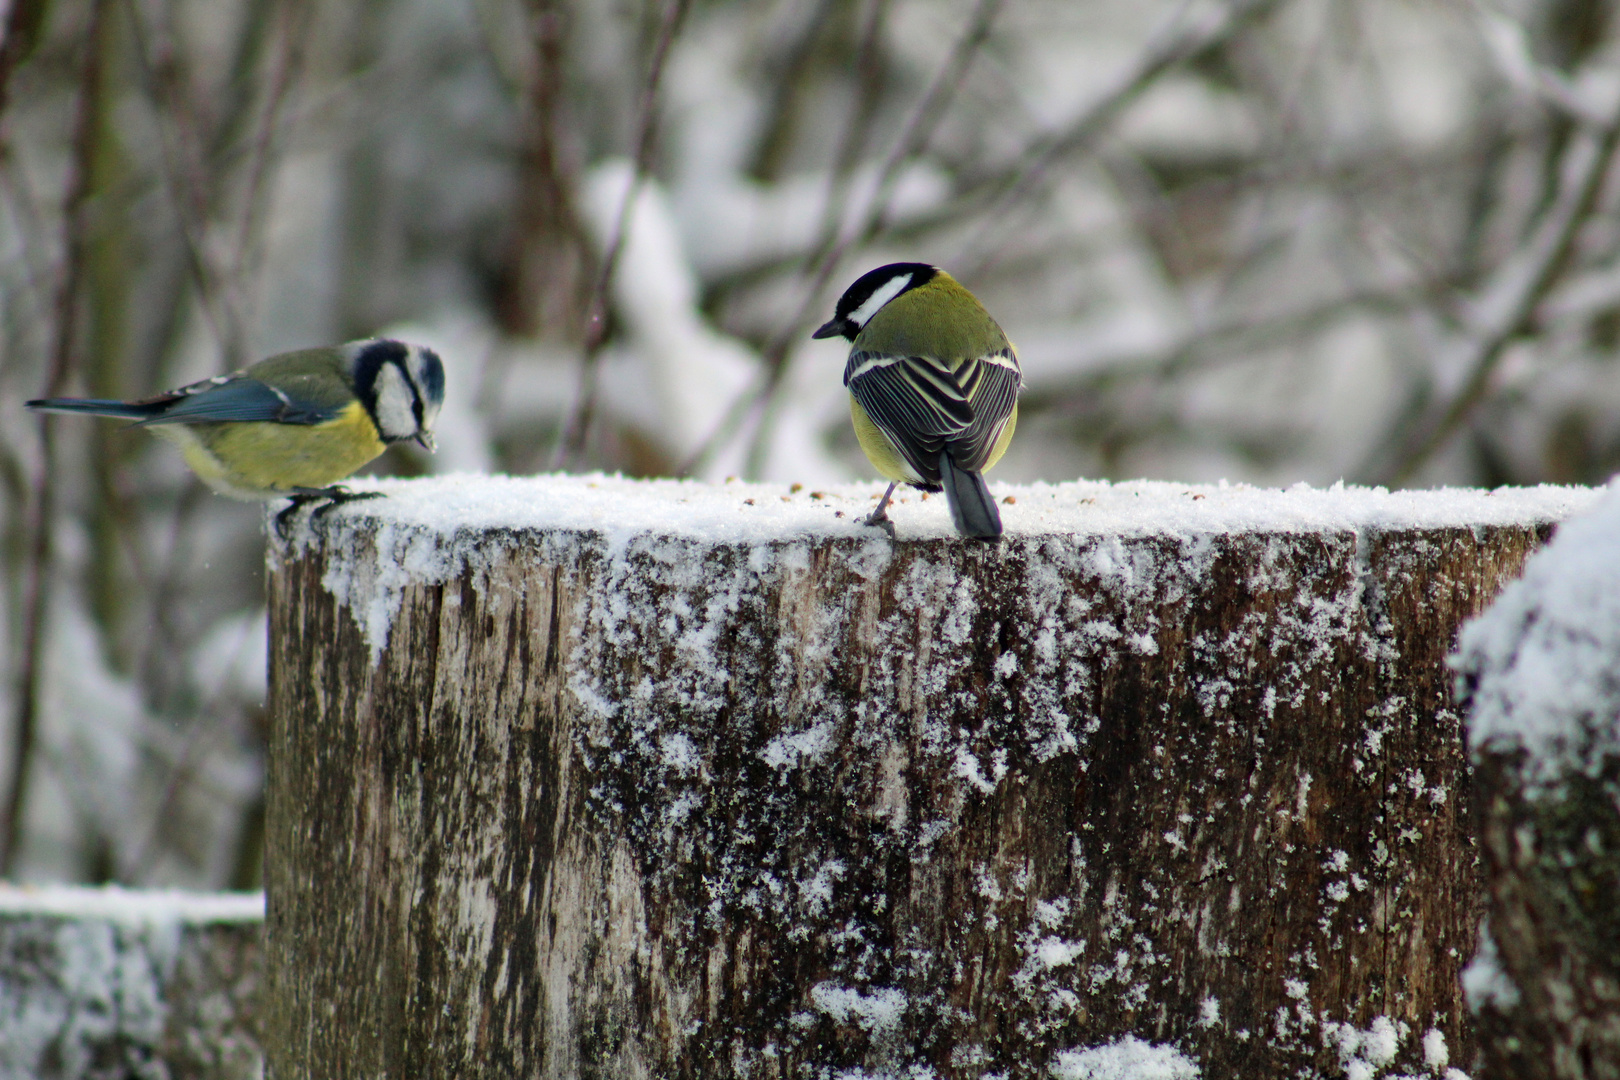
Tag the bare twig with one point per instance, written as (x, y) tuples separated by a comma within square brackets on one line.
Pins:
[(863, 111), (187, 182), (991, 193), (1509, 47), (1237, 338), (36, 588), (574, 433), (548, 261), (295, 20), (1178, 44), (1501, 309), (919, 130), (24, 21)]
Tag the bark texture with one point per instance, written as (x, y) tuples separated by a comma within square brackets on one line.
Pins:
[(1553, 868), (670, 808)]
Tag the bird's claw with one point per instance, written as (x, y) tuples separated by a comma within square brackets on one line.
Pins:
[(884, 523), (338, 496), (331, 497)]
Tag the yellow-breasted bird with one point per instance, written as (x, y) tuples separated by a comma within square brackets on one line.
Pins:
[(295, 424), (933, 387)]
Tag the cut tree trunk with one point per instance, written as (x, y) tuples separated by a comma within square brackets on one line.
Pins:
[(596, 778), (1542, 674), (104, 983)]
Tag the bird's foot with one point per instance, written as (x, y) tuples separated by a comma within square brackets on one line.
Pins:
[(337, 495), (332, 497), (879, 520)]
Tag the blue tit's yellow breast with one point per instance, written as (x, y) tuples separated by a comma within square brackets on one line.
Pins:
[(263, 459)]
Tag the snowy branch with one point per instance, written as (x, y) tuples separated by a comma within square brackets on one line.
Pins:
[(1501, 309)]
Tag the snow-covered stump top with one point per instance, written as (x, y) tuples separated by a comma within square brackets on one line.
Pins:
[(581, 776), (1540, 674)]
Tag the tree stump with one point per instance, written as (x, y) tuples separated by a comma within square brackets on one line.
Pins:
[(98, 984), (587, 777), (1541, 671)]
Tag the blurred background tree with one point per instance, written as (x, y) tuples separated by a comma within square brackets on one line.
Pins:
[(1267, 241)]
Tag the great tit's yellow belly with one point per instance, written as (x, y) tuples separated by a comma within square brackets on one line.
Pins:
[(888, 461), (263, 460), (891, 464)]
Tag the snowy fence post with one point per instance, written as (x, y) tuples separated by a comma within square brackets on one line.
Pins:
[(1541, 671), (592, 777)]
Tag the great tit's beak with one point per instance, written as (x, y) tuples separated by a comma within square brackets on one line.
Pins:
[(831, 328), (424, 439)]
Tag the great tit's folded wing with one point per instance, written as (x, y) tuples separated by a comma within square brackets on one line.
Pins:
[(238, 400), (915, 401), (991, 386)]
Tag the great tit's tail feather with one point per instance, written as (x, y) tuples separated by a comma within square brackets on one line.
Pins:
[(973, 508), (128, 410)]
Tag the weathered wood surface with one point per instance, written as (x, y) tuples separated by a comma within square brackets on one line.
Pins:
[(1542, 674), (621, 805), (108, 985)]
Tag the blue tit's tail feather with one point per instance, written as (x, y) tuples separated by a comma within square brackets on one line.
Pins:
[(128, 410), (973, 508)]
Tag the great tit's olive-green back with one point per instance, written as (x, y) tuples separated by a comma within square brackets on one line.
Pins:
[(939, 319)]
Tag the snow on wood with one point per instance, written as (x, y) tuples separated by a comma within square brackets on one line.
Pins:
[(98, 982), (592, 776), (1541, 674)]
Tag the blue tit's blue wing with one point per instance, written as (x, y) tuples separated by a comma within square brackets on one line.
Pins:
[(239, 400)]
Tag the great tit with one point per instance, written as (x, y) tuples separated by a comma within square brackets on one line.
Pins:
[(933, 387), (295, 424)]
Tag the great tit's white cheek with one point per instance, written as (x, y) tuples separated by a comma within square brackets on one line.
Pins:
[(396, 404), (874, 303)]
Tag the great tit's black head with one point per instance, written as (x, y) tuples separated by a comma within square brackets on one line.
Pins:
[(401, 386), (870, 292)]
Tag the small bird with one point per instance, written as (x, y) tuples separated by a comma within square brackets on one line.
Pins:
[(933, 388), (295, 424)]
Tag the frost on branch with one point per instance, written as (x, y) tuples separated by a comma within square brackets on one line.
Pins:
[(598, 777)]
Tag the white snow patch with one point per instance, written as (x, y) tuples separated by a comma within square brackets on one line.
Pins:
[(1054, 952), (1128, 1058), (130, 907), (967, 767), (876, 1012), (1545, 658), (679, 753), (1436, 1055), (1483, 980), (1363, 1053), (787, 751)]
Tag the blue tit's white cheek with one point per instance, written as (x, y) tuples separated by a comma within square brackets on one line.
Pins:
[(890, 289), (396, 404)]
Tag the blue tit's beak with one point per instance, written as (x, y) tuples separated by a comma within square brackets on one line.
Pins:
[(831, 328), (424, 439)]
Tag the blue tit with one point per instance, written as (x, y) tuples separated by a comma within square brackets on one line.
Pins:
[(933, 388), (295, 424)]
